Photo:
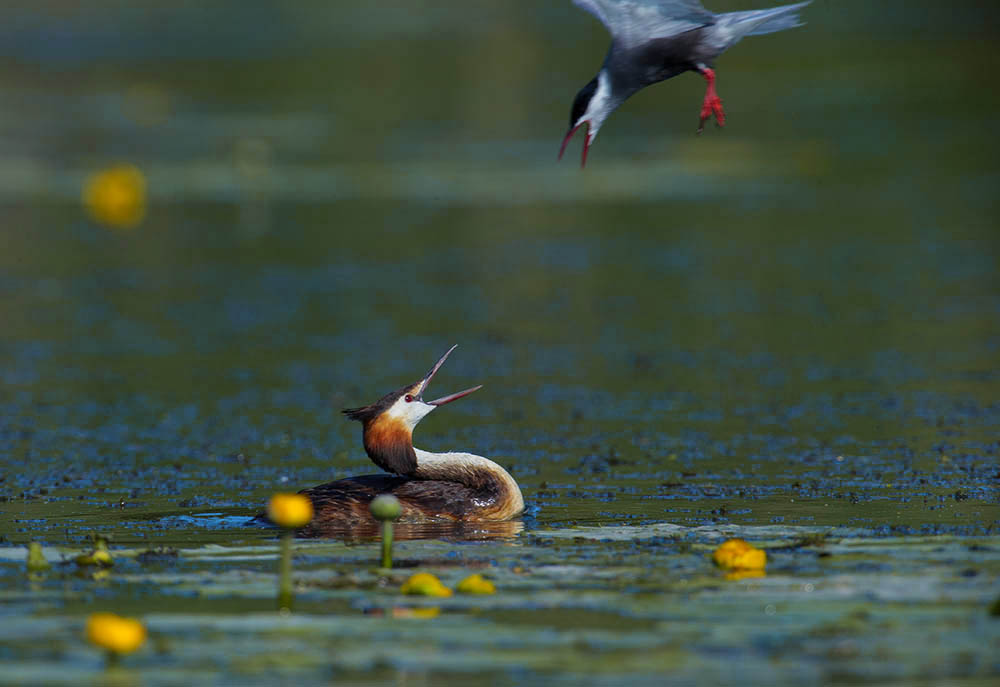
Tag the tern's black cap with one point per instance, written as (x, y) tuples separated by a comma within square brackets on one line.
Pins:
[(581, 102)]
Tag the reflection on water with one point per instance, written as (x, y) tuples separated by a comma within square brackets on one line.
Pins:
[(445, 530)]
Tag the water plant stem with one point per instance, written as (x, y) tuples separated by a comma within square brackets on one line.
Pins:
[(387, 544), (285, 572), (386, 508)]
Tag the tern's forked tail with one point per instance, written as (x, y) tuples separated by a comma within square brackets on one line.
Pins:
[(757, 22)]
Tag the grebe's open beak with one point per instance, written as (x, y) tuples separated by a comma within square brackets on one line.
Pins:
[(430, 375)]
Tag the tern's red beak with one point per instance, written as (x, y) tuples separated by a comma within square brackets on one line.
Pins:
[(586, 142)]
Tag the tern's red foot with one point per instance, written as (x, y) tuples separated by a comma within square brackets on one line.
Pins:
[(712, 105)]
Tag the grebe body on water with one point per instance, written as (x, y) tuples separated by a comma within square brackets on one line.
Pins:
[(431, 487)]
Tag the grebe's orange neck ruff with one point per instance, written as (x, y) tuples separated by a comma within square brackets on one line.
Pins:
[(389, 443)]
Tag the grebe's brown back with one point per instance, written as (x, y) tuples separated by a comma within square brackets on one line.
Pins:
[(432, 487)]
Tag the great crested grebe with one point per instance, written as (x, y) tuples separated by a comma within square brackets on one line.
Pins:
[(432, 487)]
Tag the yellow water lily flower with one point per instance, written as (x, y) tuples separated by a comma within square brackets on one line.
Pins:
[(116, 634), (100, 556), (736, 554), (116, 196), (290, 510), (424, 584), (476, 584)]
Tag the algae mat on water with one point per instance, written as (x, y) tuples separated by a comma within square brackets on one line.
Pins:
[(592, 605)]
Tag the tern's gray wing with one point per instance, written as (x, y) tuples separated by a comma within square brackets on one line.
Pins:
[(632, 22)]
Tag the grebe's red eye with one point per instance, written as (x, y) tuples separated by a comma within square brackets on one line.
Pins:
[(408, 398)]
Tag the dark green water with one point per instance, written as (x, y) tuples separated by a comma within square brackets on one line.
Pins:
[(789, 323)]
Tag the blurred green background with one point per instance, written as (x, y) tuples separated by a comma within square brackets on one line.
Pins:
[(787, 317)]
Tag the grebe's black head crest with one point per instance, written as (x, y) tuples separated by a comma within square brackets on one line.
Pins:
[(370, 412)]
